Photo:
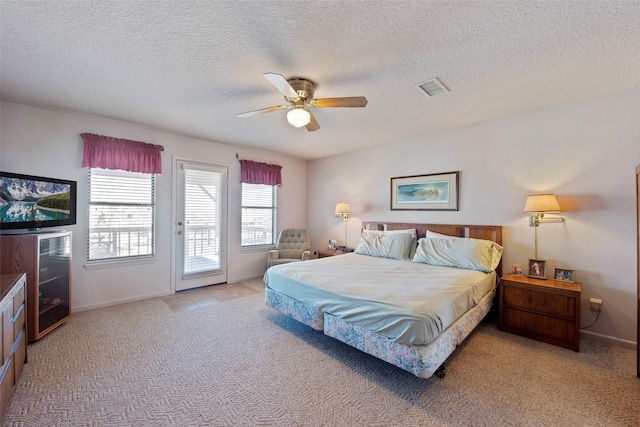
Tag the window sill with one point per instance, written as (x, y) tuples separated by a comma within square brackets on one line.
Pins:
[(110, 263), (264, 248)]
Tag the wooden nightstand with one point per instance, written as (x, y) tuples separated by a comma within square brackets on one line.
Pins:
[(327, 253), (545, 310)]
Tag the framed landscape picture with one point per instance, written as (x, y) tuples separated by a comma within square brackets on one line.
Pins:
[(425, 192)]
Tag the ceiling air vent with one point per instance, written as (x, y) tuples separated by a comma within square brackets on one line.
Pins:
[(432, 87)]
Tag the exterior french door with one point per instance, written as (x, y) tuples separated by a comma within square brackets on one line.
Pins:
[(201, 224)]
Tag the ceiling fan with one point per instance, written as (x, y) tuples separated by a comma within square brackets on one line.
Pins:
[(298, 93)]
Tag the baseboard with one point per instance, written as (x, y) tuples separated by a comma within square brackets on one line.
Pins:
[(120, 301), (241, 279), (609, 339)]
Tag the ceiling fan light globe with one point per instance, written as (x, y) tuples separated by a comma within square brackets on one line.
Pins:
[(298, 117)]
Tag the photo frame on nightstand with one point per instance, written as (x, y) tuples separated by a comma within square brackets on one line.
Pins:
[(537, 269), (563, 275)]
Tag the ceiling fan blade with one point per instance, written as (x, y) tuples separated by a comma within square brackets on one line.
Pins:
[(313, 124), (263, 110), (352, 101), (281, 84)]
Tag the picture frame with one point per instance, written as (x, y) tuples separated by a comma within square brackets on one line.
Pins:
[(537, 269), (516, 269), (438, 191), (564, 275)]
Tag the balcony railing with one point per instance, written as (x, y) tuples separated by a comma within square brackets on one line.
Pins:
[(256, 235), (120, 242)]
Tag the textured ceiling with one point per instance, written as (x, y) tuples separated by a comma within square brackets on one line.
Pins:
[(191, 66)]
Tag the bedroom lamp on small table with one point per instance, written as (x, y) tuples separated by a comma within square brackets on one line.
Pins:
[(343, 210), (537, 205)]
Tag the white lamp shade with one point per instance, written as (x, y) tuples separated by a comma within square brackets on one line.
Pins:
[(298, 117), (538, 203), (343, 208)]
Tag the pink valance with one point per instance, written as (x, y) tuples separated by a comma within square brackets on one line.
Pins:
[(106, 152), (260, 173)]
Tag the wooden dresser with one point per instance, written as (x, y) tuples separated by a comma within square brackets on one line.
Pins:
[(14, 334), (545, 310)]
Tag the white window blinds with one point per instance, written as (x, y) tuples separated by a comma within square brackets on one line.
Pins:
[(121, 214), (204, 205), (258, 215)]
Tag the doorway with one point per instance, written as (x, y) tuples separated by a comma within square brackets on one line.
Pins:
[(200, 238)]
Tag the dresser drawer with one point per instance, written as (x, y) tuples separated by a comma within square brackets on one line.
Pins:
[(18, 319), (19, 348), (7, 381), (545, 328), (541, 302), (19, 353), (7, 332), (19, 299)]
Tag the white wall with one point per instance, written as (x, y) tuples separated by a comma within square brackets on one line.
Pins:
[(586, 153), (47, 143)]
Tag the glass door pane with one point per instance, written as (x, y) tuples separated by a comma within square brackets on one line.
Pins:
[(203, 193), (54, 279), (200, 225)]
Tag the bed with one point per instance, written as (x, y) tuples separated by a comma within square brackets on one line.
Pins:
[(408, 295)]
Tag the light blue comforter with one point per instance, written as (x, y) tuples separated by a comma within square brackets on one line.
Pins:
[(409, 303)]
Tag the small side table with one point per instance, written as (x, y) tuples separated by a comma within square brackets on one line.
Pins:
[(327, 253), (544, 310)]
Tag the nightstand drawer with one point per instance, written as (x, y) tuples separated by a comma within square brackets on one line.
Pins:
[(541, 302), (544, 328)]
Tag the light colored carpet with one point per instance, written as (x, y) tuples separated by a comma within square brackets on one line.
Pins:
[(241, 363)]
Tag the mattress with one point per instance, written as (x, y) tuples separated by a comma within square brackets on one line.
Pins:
[(405, 302)]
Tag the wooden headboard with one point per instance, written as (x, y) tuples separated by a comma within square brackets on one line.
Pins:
[(486, 232)]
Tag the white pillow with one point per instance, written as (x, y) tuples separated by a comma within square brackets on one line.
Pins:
[(385, 245), (412, 231), (495, 256), (414, 242), (434, 235), (469, 254)]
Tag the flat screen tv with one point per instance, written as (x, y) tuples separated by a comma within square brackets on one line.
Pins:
[(33, 202)]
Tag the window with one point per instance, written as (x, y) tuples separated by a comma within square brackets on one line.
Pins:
[(258, 215), (121, 214)]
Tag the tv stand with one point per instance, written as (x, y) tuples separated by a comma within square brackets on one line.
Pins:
[(46, 260), (30, 231)]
